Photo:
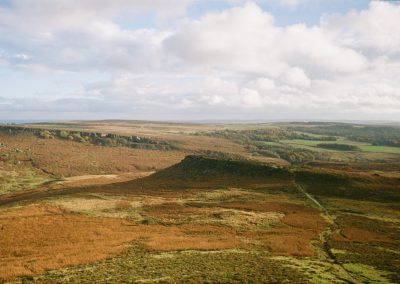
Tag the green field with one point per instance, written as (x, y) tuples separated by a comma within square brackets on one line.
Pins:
[(363, 146), (380, 149), (304, 142)]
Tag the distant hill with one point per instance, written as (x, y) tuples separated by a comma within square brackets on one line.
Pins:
[(200, 172), (205, 168)]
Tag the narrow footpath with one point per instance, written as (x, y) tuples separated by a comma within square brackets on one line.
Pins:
[(327, 234)]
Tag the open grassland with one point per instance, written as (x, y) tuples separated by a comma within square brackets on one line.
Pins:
[(17, 173), (35, 238), (365, 147), (180, 134), (240, 223), (73, 212), (69, 158), (40, 235), (158, 239), (133, 231), (368, 247), (279, 143), (380, 149), (21, 179), (138, 265)]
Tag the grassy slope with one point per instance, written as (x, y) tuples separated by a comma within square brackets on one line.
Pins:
[(363, 146), (211, 173), (23, 179), (204, 177), (196, 174), (350, 185)]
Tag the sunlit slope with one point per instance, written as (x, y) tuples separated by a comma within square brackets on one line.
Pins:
[(362, 186), (199, 172)]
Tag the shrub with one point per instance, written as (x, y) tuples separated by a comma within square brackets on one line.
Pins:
[(63, 134), (340, 147)]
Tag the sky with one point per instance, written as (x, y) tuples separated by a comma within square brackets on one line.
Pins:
[(200, 60)]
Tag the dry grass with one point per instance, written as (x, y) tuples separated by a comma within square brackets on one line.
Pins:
[(231, 194), (36, 238), (245, 220), (176, 213), (374, 210), (90, 180), (374, 226), (91, 205), (191, 236), (179, 133), (282, 228), (299, 226), (352, 234), (266, 206), (364, 230), (98, 205), (368, 246), (108, 209), (294, 226), (123, 205), (70, 158), (20, 179), (285, 241), (39, 237)]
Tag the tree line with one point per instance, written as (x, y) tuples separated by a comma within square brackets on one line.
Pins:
[(376, 135), (101, 139)]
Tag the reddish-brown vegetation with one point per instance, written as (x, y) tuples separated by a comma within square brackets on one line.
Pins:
[(299, 227), (361, 229), (368, 241), (35, 238), (353, 234), (266, 206), (70, 158), (168, 212), (190, 236), (123, 204), (180, 133), (285, 241)]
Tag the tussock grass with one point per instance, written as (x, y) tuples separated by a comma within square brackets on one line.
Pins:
[(317, 271), (137, 265), (368, 273), (23, 179)]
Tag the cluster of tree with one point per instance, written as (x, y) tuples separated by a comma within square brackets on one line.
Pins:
[(109, 139), (261, 142), (340, 147), (297, 156), (270, 134), (376, 135), (288, 153), (247, 136), (303, 136)]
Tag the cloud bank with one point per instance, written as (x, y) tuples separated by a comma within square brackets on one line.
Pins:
[(231, 64)]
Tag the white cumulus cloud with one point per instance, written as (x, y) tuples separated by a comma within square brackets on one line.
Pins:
[(236, 62)]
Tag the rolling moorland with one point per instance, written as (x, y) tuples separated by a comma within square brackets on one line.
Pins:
[(151, 202)]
